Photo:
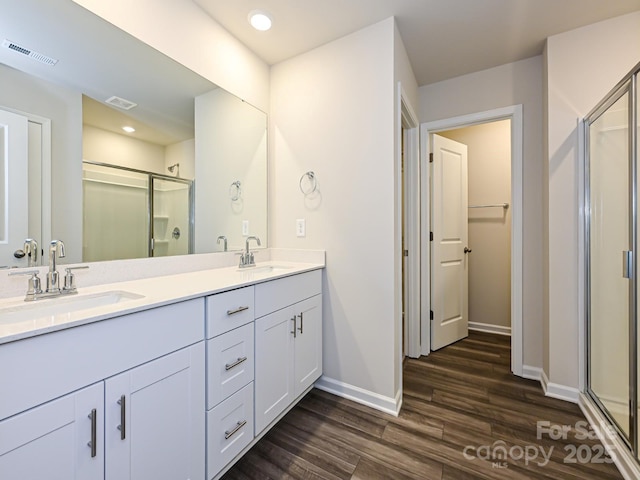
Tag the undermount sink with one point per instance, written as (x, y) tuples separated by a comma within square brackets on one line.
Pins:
[(63, 305), (265, 269)]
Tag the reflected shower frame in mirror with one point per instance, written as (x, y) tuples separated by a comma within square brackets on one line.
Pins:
[(142, 75)]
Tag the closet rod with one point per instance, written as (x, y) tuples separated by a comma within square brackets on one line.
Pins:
[(491, 205)]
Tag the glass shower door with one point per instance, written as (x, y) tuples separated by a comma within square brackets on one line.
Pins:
[(115, 213), (611, 244), (172, 225)]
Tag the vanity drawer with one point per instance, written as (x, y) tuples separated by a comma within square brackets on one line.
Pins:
[(229, 429), (278, 294), (230, 363), (229, 310)]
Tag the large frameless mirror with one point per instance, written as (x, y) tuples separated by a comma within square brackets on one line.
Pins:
[(73, 84)]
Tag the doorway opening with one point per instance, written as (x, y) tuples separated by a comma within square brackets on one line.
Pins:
[(481, 298), (513, 115)]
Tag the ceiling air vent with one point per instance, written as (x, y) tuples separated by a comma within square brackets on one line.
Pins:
[(121, 103), (29, 53)]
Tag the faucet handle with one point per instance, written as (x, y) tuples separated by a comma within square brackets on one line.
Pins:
[(70, 279), (34, 287)]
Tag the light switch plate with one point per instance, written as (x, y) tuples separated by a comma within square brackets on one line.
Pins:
[(245, 228), (301, 228)]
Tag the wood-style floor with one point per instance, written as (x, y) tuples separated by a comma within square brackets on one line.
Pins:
[(461, 397)]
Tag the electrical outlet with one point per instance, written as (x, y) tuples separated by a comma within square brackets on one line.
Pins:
[(245, 228), (301, 229)]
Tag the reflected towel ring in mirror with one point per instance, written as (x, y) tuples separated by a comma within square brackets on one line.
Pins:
[(235, 191), (308, 183)]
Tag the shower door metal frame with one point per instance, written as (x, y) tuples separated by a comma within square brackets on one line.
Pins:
[(627, 85), (154, 176), (159, 176)]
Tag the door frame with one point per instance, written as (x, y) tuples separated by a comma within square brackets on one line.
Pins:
[(45, 175), (410, 188), (513, 113)]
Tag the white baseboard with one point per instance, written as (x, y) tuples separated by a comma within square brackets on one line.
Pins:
[(532, 373), (555, 390), (360, 395), (488, 328), (614, 444)]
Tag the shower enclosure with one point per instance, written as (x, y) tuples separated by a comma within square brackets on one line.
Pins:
[(130, 213), (611, 247)]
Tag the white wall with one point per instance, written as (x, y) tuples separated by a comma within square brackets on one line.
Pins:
[(184, 32), (489, 158), (102, 146), (582, 66), (511, 84), (332, 112)]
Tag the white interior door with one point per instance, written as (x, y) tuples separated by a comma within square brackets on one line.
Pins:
[(13, 186), (449, 263)]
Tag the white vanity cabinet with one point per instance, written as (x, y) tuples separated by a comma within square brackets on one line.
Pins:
[(230, 374), (132, 403), (53, 441), (154, 422), (288, 343)]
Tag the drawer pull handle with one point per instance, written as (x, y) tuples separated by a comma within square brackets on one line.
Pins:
[(229, 366), (301, 322), (230, 433), (295, 333), (93, 444), (123, 417), (237, 310)]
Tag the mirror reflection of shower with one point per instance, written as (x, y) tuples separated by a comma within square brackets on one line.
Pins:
[(130, 213), (175, 167)]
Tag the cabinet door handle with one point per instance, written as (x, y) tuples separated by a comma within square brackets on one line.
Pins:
[(301, 322), (229, 366), (123, 417), (230, 433), (295, 334), (237, 310), (93, 444)]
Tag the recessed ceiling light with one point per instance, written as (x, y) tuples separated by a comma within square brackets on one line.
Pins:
[(260, 20), (129, 129)]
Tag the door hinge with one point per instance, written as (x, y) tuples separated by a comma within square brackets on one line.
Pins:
[(405, 253), (431, 236), (430, 314), (431, 157)]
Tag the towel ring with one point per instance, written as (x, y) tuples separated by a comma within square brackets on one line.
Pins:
[(310, 185), (235, 191)]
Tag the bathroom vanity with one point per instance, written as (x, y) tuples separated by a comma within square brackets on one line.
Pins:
[(173, 377)]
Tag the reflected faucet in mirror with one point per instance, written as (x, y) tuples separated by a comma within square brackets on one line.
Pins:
[(31, 251), (224, 240)]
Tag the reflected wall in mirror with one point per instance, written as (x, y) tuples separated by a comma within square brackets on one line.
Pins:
[(96, 61)]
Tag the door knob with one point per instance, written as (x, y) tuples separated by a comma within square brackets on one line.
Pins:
[(467, 250)]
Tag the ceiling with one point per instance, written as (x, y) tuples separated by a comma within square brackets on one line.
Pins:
[(443, 38)]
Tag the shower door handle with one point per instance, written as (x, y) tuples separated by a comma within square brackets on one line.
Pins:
[(627, 264)]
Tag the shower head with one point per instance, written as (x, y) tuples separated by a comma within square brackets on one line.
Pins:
[(174, 167)]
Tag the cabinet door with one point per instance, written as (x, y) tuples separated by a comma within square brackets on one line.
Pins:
[(53, 441), (308, 343), (155, 419), (274, 388)]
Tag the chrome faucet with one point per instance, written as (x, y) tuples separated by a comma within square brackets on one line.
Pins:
[(31, 251), (247, 259), (56, 248), (224, 239)]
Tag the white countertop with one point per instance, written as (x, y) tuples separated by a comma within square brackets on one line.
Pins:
[(154, 292)]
